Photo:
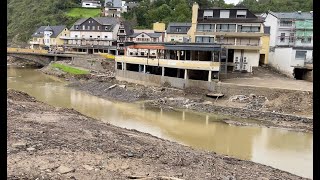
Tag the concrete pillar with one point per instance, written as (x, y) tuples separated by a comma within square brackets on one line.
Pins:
[(122, 66), (140, 67), (209, 76), (125, 66), (144, 68), (108, 51), (162, 71), (55, 58), (186, 74), (183, 116)]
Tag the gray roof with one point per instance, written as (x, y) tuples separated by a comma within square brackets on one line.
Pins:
[(179, 24), (153, 35), (48, 28), (55, 29), (100, 20), (292, 15), (128, 27), (113, 3), (131, 4)]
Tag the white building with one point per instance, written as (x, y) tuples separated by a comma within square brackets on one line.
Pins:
[(291, 42), (91, 4), (114, 8)]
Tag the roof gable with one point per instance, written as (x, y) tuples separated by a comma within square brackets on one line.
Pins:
[(56, 30)]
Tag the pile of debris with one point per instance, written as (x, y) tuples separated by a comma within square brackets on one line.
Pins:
[(253, 102)]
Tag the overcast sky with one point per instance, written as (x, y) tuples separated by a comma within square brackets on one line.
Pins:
[(231, 1)]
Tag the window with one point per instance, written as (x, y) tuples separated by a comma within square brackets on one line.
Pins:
[(142, 53), (121, 31), (226, 27), (76, 36), (106, 37), (285, 23), (83, 27), (306, 40), (131, 53), (154, 39), (208, 14), (246, 28), (241, 13), (93, 28), (204, 39), (88, 28), (205, 27), (142, 35), (106, 28), (178, 29), (98, 27), (291, 38), (90, 36), (282, 37), (301, 55), (98, 36), (224, 13)]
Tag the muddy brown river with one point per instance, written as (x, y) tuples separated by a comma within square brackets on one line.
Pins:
[(286, 150)]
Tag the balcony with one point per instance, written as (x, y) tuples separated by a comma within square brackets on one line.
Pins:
[(231, 34), (90, 39), (196, 65)]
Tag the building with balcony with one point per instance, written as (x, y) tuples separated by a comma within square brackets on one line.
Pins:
[(124, 31), (180, 65), (144, 36), (237, 29), (48, 36), (93, 35), (291, 42), (178, 32)]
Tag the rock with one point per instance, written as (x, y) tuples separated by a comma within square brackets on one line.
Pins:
[(31, 149), (129, 154), (87, 167), (122, 86), (64, 170), (19, 145)]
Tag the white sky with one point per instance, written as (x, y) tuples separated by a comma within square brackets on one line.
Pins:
[(231, 1)]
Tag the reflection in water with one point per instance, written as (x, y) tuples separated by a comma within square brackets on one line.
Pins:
[(289, 151)]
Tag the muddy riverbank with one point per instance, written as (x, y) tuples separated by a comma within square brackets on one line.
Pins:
[(45, 142), (275, 108)]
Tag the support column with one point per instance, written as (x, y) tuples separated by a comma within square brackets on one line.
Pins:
[(162, 71), (179, 54), (209, 76), (125, 66), (122, 66), (186, 74), (144, 68)]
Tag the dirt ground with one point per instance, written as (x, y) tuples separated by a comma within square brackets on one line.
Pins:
[(266, 77), (44, 142)]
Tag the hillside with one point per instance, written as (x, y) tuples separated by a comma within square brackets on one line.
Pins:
[(83, 12), (24, 16)]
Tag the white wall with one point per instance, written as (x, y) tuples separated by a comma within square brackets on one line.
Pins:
[(91, 5), (273, 23), (176, 37), (300, 62), (281, 60), (87, 34), (251, 55), (134, 51)]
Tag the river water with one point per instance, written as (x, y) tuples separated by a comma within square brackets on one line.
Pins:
[(286, 150)]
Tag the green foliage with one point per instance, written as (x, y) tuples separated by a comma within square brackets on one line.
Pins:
[(25, 16), (69, 69), (84, 12)]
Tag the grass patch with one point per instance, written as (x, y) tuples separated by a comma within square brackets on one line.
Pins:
[(69, 69), (84, 12)]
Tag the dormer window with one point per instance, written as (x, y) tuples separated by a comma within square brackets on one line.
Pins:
[(224, 13), (208, 14), (142, 35), (77, 27), (178, 29), (106, 28), (241, 13)]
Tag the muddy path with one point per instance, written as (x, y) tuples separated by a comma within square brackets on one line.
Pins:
[(45, 142)]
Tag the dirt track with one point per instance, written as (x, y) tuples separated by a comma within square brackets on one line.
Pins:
[(45, 142)]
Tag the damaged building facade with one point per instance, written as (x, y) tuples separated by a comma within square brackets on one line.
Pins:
[(180, 65), (291, 43)]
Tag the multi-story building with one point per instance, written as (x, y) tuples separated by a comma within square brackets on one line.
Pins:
[(144, 37), (291, 42), (49, 36), (91, 4), (113, 8), (178, 32), (237, 29), (93, 35), (124, 31)]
